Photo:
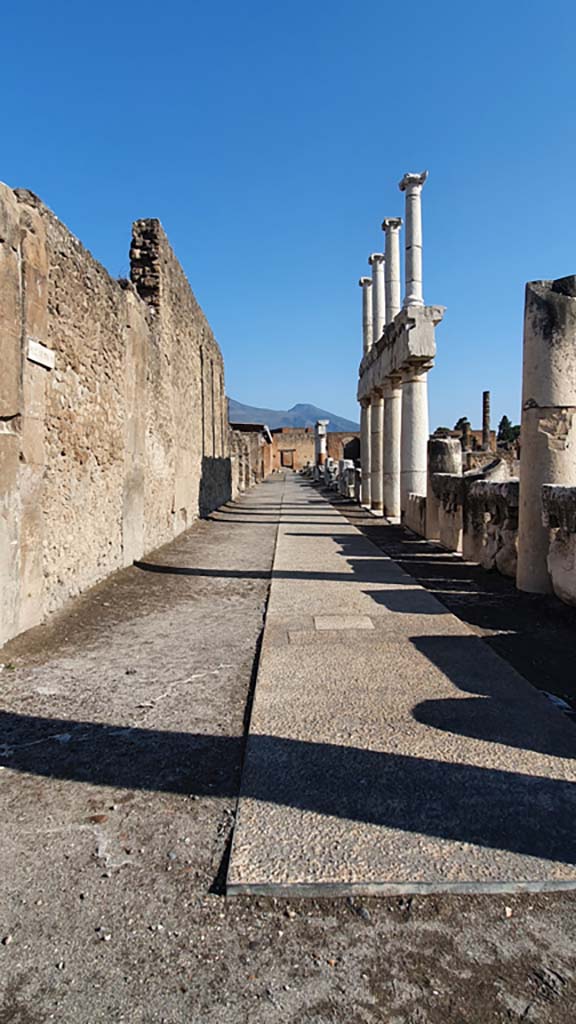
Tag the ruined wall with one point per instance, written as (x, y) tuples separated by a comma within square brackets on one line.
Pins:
[(559, 518), (250, 460), (491, 524), (343, 445), (293, 447), (113, 424)]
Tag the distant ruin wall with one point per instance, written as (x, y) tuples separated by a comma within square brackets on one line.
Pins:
[(250, 460), (113, 420)]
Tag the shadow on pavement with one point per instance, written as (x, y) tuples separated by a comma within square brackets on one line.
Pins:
[(504, 810)]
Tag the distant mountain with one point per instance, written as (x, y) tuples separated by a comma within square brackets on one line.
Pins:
[(297, 416)]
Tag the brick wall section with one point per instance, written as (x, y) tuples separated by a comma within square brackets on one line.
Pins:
[(121, 444), (297, 444), (343, 445)]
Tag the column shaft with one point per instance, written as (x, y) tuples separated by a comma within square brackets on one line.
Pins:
[(392, 451), (367, 313), (376, 453), (412, 184), (391, 227), (376, 261), (414, 433), (365, 444), (548, 451)]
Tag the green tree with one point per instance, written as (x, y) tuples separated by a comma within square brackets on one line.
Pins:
[(505, 431)]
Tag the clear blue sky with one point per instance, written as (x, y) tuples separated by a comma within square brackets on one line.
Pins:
[(269, 139)]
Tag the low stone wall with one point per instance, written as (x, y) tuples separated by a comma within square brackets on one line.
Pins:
[(559, 516), (113, 419), (473, 515), (448, 489), (491, 524)]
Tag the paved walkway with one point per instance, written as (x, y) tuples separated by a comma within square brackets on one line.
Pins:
[(361, 773)]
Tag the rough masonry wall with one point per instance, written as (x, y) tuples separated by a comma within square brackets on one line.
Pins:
[(113, 421), (293, 447)]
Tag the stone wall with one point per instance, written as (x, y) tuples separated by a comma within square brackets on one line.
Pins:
[(559, 517), (491, 524), (113, 423), (343, 445), (293, 447), (251, 459), (475, 514)]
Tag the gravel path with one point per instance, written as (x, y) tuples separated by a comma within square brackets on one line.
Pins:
[(121, 741)]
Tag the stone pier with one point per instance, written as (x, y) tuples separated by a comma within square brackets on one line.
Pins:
[(548, 453), (444, 456)]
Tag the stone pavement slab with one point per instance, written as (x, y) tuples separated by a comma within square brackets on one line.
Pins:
[(403, 758)]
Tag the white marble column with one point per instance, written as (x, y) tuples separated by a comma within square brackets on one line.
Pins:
[(548, 449), (414, 432), (365, 444), (391, 227), (320, 429), (367, 313), (376, 453), (392, 440), (412, 184), (376, 261)]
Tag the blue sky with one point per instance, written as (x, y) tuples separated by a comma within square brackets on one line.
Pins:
[(270, 139)]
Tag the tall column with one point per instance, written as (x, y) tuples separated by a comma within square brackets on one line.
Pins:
[(414, 432), (412, 184), (486, 421), (320, 430), (367, 314), (376, 261), (391, 226), (365, 440), (376, 453), (392, 439), (548, 436)]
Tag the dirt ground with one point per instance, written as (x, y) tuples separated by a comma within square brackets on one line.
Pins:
[(121, 746)]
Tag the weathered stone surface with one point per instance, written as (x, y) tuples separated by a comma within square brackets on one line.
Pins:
[(548, 452), (491, 524), (114, 442), (559, 517)]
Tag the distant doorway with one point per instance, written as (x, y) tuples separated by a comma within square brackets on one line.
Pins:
[(287, 459)]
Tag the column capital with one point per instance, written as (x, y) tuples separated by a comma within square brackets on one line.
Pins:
[(412, 180), (376, 257), (377, 393), (392, 383), (365, 282), (364, 402), (391, 224), (416, 369)]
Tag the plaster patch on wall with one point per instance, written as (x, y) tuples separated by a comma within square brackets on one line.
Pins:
[(557, 426)]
